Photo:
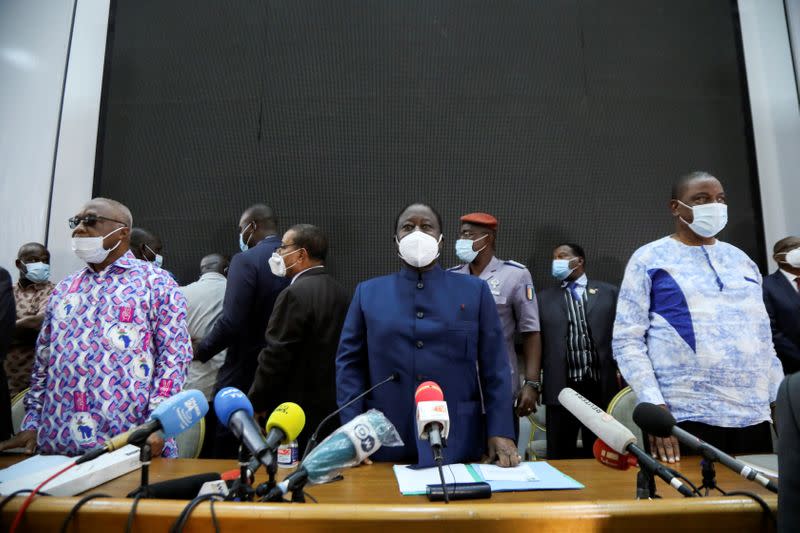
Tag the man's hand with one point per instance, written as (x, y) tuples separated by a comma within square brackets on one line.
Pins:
[(23, 439), (196, 345), (667, 449), (527, 400), (502, 452), (156, 442)]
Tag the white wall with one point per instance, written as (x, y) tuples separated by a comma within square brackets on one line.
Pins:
[(34, 36), (48, 123), (776, 116), (74, 169)]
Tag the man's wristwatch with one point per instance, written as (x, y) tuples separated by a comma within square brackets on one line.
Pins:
[(535, 385)]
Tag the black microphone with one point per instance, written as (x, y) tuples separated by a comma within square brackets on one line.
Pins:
[(312, 441), (660, 422), (182, 488)]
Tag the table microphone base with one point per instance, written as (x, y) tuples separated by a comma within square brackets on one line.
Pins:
[(460, 491)]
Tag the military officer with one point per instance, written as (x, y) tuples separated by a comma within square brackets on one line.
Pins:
[(425, 323), (512, 289)]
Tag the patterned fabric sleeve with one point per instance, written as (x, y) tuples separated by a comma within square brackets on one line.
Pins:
[(173, 347), (34, 398), (630, 328)]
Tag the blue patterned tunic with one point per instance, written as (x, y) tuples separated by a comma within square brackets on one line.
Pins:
[(692, 332)]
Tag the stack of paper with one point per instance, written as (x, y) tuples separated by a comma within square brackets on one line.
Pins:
[(527, 476), (29, 473)]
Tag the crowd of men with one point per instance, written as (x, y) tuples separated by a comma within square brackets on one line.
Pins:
[(692, 328)]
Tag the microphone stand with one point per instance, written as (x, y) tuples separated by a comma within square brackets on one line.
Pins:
[(241, 490), (645, 485), (145, 456), (709, 475)]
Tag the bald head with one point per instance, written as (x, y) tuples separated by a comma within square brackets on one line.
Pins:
[(786, 244), (256, 223), (682, 184), (111, 209), (214, 263), (145, 244), (33, 249)]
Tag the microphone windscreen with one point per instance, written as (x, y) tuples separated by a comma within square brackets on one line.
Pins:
[(184, 488), (602, 424), (180, 412), (428, 391), (350, 444), (653, 419), (289, 418), (228, 401), (603, 453)]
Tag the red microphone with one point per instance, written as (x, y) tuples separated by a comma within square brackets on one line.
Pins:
[(433, 420), (606, 455)]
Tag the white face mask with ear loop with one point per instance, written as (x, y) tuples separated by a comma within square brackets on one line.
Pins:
[(707, 219), (91, 250), (418, 249), (792, 257)]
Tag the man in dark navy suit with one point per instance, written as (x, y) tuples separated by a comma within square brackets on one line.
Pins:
[(424, 323), (577, 321), (249, 297), (782, 298)]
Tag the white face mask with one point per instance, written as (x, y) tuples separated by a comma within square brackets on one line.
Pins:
[(707, 219), (277, 264), (793, 257), (418, 249), (91, 250)]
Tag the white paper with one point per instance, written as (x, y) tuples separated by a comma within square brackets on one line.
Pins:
[(498, 473), (32, 465), (417, 481)]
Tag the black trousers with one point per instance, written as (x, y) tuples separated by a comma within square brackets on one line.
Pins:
[(562, 427), (733, 441)]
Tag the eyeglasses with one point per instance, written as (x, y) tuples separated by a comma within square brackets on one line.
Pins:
[(90, 220), (285, 246)]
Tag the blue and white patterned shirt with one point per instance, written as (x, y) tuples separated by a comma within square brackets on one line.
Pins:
[(692, 332)]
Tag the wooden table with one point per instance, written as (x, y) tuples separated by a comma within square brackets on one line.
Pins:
[(368, 500)]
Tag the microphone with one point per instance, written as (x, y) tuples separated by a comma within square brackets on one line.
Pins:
[(347, 446), (607, 456), (312, 442), (235, 412), (172, 416), (660, 422), (618, 437), (433, 420), (182, 488)]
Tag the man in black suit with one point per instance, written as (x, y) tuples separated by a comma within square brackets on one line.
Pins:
[(8, 320), (782, 299), (249, 296), (298, 362), (577, 320)]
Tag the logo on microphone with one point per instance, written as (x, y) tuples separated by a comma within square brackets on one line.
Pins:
[(185, 415), (362, 432)]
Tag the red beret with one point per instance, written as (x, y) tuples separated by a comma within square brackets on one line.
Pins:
[(482, 219)]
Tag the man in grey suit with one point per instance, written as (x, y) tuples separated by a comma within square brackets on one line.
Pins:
[(577, 321), (298, 362)]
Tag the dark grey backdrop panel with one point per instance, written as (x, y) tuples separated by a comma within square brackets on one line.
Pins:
[(566, 119)]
